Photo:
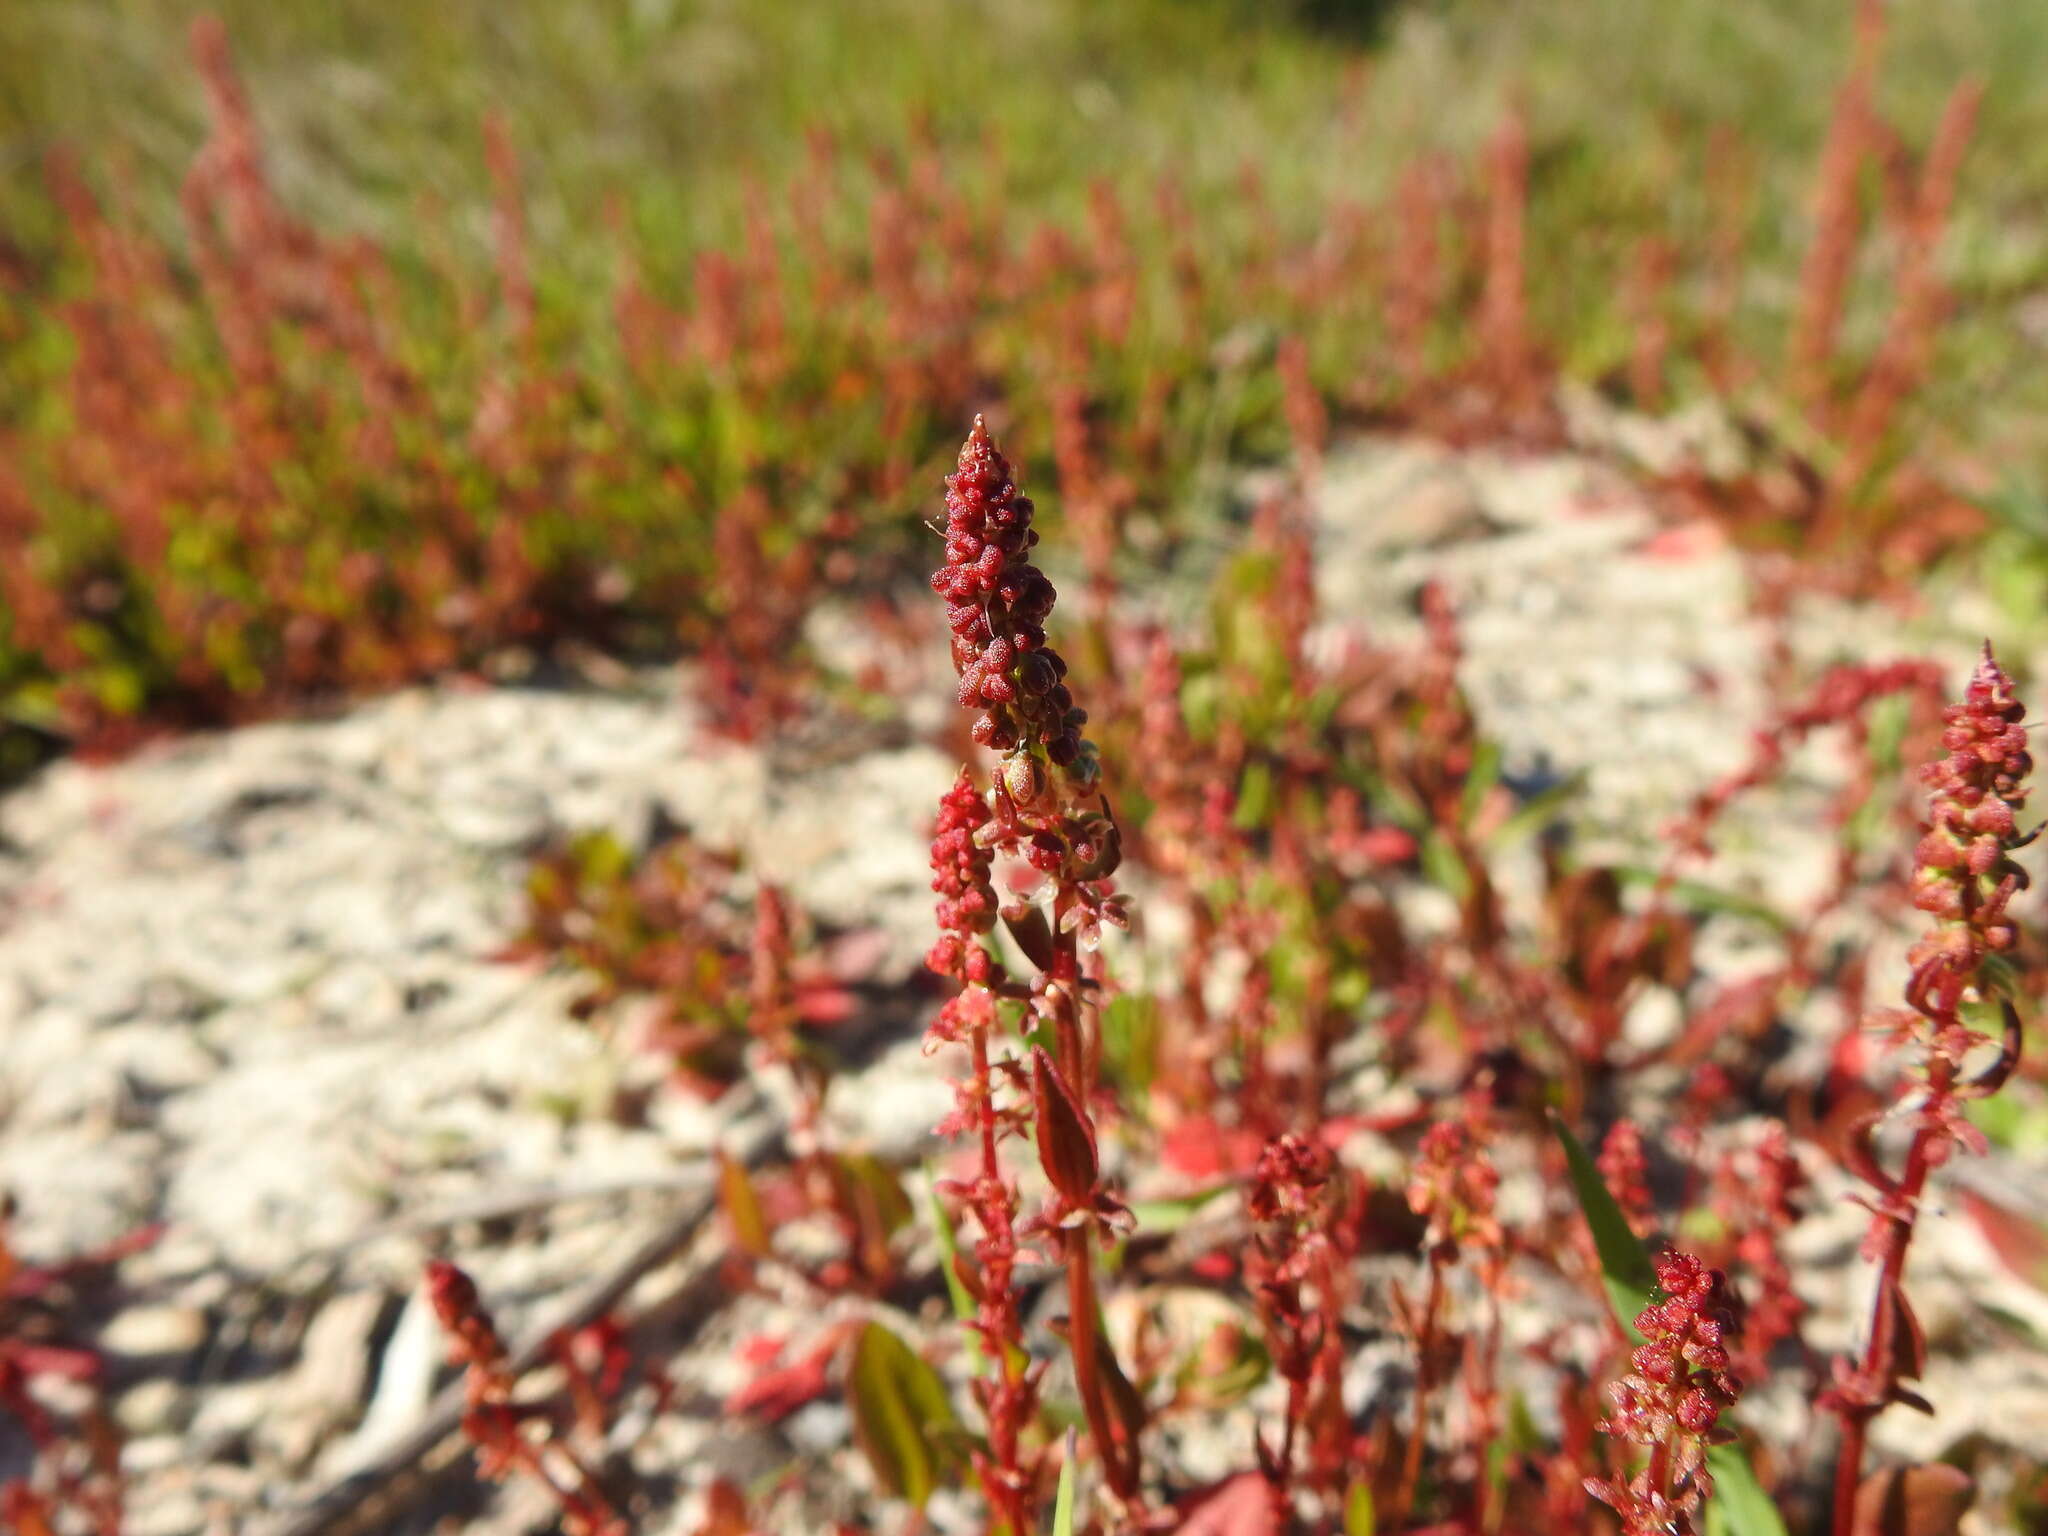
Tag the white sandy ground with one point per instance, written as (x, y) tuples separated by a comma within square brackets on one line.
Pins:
[(247, 988)]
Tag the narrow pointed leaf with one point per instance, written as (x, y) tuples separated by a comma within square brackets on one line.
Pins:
[(1624, 1264), (1063, 1500), (742, 1206), (1739, 1507), (949, 1259), (1360, 1518)]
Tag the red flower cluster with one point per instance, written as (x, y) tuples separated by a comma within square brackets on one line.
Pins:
[(1625, 1168), (1965, 876), (962, 876), (1034, 811), (1286, 1200), (997, 603), (1964, 873), (1672, 1399), (1296, 1271), (1453, 1187)]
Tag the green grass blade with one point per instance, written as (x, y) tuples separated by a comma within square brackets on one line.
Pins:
[(1063, 1500), (949, 1248)]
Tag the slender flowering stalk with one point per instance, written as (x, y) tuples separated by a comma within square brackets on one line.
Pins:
[(1756, 1195), (495, 1424), (1296, 1272), (1677, 1387), (962, 875), (1453, 1188), (1965, 878), (1041, 810)]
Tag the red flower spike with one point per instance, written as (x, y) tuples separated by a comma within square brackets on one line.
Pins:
[(1964, 873), (1965, 877), (997, 604), (1677, 1387), (1033, 814)]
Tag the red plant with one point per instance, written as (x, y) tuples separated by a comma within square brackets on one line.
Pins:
[(1965, 878), (73, 1480), (1837, 218), (514, 1437), (1297, 1271), (1036, 814), (1452, 1188), (1678, 1386)]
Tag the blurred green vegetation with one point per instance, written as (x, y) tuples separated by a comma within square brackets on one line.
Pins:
[(676, 115), (371, 114)]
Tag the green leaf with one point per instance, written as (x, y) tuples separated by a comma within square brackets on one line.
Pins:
[(1157, 1217), (901, 1415), (742, 1208), (1130, 1040), (1063, 1499), (1359, 1517), (1739, 1507), (1624, 1263), (878, 1182), (1537, 812), (1254, 796), (1698, 896), (1479, 780), (1444, 869)]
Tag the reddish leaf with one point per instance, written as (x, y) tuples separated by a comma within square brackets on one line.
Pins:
[(1908, 1339), (1028, 926), (1928, 1500), (1237, 1506), (725, 1511), (776, 1393), (820, 1003), (1386, 845), (1066, 1145), (2022, 1245), (1199, 1148), (857, 955)]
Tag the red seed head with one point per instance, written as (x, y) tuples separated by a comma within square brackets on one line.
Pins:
[(997, 603)]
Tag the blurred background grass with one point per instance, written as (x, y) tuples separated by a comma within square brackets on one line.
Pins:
[(372, 112), (372, 118)]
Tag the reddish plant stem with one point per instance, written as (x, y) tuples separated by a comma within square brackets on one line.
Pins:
[(1893, 1239), (1002, 1420), (1118, 1461), (1425, 1350)]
